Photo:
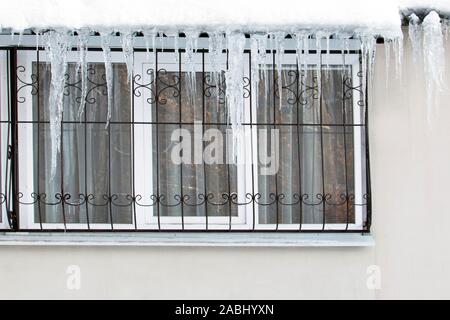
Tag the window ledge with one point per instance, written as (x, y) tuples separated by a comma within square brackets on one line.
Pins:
[(191, 239)]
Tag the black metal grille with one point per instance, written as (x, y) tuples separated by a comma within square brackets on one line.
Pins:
[(300, 93)]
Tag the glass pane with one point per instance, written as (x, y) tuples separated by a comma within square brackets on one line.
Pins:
[(315, 174), (203, 187), (214, 89), (94, 163)]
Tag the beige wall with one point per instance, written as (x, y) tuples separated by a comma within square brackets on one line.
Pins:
[(411, 207)]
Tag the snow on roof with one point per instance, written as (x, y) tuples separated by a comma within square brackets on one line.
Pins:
[(442, 6), (379, 16)]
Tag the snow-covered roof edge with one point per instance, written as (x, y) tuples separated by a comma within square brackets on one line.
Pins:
[(348, 16), (378, 18)]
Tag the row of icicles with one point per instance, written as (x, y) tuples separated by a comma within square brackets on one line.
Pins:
[(428, 35)]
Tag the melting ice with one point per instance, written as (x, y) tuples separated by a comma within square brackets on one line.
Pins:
[(57, 45), (426, 37), (434, 59)]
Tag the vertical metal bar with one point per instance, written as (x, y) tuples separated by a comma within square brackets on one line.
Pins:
[(133, 177), (109, 176), (8, 168), (85, 167), (321, 140), (299, 145), (14, 140), (251, 134), (368, 183), (203, 134), (1, 172), (38, 139), (6, 193), (228, 162), (157, 140), (180, 117), (61, 157), (345, 140), (274, 72)]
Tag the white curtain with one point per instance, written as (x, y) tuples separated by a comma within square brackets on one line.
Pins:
[(94, 160)]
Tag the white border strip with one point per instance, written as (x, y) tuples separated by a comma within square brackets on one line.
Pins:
[(205, 239)]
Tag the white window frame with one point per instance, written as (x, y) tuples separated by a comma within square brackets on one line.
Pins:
[(244, 219), (325, 61), (146, 217), (4, 102), (26, 151)]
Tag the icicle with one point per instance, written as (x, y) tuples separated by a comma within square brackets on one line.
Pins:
[(368, 47), (387, 57), (258, 62), (319, 68), (262, 47), (445, 29), (306, 46), (328, 36), (147, 45), (128, 52), (57, 46), (161, 40), (19, 42), (106, 47), (398, 53), (82, 66), (234, 89), (346, 39), (279, 57), (150, 36), (254, 67), (37, 40), (176, 47), (415, 36), (299, 48), (434, 59), (215, 55), (191, 46), (154, 41)]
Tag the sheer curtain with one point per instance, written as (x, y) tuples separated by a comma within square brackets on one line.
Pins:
[(182, 107), (95, 161), (312, 160), (316, 149)]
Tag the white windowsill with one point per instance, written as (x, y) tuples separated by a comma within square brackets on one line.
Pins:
[(222, 239)]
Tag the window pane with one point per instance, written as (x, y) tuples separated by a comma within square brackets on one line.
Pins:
[(204, 187), (316, 173), (95, 161)]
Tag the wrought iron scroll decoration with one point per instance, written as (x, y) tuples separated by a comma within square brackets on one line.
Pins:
[(91, 86), (33, 84), (163, 86), (350, 89), (215, 82), (299, 91), (209, 198)]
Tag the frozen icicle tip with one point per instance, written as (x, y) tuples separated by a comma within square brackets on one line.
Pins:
[(413, 19), (105, 40), (434, 60), (432, 19), (128, 51), (57, 45)]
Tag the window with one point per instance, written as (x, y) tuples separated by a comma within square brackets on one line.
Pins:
[(301, 154), (5, 127)]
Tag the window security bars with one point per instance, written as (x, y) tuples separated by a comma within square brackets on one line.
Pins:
[(119, 175)]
